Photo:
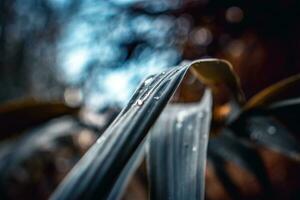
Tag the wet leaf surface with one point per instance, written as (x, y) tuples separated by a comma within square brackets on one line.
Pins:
[(177, 151), (97, 172)]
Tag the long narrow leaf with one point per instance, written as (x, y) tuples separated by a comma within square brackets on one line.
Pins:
[(229, 148), (275, 92), (288, 113), (95, 176), (177, 151), (269, 132), (218, 163), (127, 172)]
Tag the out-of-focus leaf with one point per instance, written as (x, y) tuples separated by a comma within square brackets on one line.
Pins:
[(214, 71), (268, 132), (278, 91), (289, 105), (14, 153), (21, 115), (228, 148), (42, 136), (218, 163), (287, 112), (177, 151)]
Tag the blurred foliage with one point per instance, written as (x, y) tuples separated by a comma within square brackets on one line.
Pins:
[(16, 117), (86, 46)]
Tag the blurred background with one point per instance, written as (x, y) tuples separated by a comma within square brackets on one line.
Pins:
[(93, 53), (98, 51)]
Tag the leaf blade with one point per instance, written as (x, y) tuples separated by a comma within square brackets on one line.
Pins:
[(274, 92), (177, 151)]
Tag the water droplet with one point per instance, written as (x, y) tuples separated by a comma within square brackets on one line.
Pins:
[(101, 139), (139, 102), (194, 149), (271, 130), (156, 98), (148, 80), (178, 125), (180, 117), (200, 115)]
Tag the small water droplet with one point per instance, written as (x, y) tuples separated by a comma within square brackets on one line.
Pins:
[(200, 115), (178, 125), (101, 140), (204, 136), (194, 149), (156, 98), (148, 80), (180, 118), (163, 73), (271, 130), (139, 102)]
